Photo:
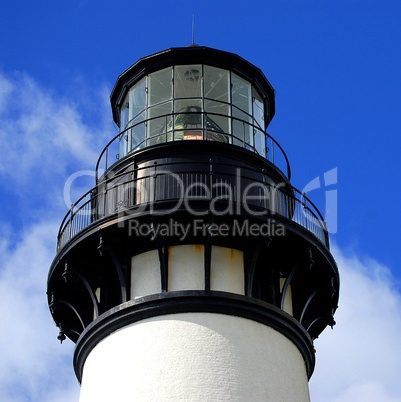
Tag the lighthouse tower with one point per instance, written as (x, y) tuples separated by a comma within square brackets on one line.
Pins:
[(193, 270)]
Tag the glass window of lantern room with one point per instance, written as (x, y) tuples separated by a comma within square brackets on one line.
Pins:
[(241, 95), (159, 126), (242, 130), (160, 86), (187, 102), (160, 93), (123, 145), (138, 114), (217, 121), (217, 97), (258, 109), (187, 81), (188, 119), (138, 98), (216, 83), (259, 121)]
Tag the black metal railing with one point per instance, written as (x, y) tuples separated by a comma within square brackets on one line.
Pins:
[(127, 192), (272, 150)]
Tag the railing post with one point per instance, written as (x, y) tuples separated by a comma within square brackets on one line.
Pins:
[(107, 156), (104, 199), (165, 125), (272, 151), (154, 181), (204, 127), (326, 234), (94, 200), (131, 192), (266, 147), (304, 207), (71, 213)]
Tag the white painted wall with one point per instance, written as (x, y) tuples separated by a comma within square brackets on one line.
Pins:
[(186, 267), (186, 270), (195, 357), (145, 274), (227, 270)]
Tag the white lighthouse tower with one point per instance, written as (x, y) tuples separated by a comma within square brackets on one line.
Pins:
[(193, 270)]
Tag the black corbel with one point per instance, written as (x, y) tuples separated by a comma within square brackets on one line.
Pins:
[(162, 251), (119, 272), (287, 284), (251, 264), (55, 302), (61, 335), (68, 275)]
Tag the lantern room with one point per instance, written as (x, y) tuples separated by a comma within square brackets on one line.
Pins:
[(199, 100)]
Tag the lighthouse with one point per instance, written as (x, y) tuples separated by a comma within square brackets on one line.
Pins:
[(193, 269)]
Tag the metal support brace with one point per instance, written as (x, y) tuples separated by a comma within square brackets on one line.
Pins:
[(162, 250)]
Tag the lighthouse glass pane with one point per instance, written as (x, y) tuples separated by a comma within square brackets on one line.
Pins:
[(158, 126), (241, 93), (187, 114), (216, 82), (138, 98), (187, 81), (258, 110), (242, 129), (138, 131), (258, 115), (188, 120), (123, 146), (217, 121), (124, 115), (160, 86), (260, 142)]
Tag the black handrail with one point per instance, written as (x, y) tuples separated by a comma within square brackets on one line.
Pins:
[(86, 211), (204, 130)]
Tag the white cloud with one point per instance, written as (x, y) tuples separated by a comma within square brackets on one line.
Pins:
[(41, 132), (360, 360), (6, 88), (42, 137), (33, 364)]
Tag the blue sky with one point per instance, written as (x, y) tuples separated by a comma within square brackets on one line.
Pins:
[(335, 67)]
